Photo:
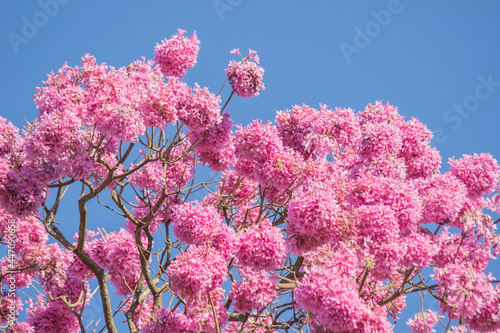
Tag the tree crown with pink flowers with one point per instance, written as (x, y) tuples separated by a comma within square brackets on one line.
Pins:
[(323, 220)]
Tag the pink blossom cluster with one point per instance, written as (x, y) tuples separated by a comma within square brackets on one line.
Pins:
[(167, 321), (203, 225), (452, 247), (190, 276), (172, 171), (314, 219), (423, 322), (330, 292), (215, 146), (53, 268), (262, 157), (470, 295), (394, 148), (419, 250), (256, 290), (334, 130), (318, 133), (176, 55), (118, 253), (479, 173), (235, 188), (51, 317), (402, 197), (246, 76), (444, 197), (379, 239), (295, 125), (262, 247), (421, 160), (201, 311), (9, 305), (199, 109)]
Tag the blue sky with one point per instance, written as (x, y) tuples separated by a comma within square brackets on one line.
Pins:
[(436, 61)]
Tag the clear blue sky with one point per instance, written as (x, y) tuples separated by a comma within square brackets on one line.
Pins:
[(436, 61)]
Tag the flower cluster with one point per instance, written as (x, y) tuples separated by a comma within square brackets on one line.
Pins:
[(246, 76), (328, 291), (178, 54), (215, 146), (479, 173), (167, 321), (255, 290), (118, 253), (202, 225), (314, 220), (423, 322), (190, 276), (262, 247)]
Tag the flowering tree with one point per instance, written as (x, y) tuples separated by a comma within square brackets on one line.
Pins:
[(323, 220)]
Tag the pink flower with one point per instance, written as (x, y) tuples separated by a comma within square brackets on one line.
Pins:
[(239, 189), (469, 293), (380, 113), (443, 197), (379, 239), (262, 247), (203, 225), (379, 139), (333, 296), (246, 76), (10, 140), (201, 312), (199, 110), (295, 125), (167, 321), (423, 322), (487, 318), (452, 248), (421, 160), (479, 173), (118, 253), (215, 146), (151, 176), (171, 172), (153, 98), (52, 317), (279, 171), (257, 141), (9, 307), (419, 250), (22, 191), (178, 54), (400, 196), (255, 290), (333, 131), (314, 219), (197, 271)]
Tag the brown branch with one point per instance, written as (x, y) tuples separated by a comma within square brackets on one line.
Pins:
[(214, 312), (400, 291)]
